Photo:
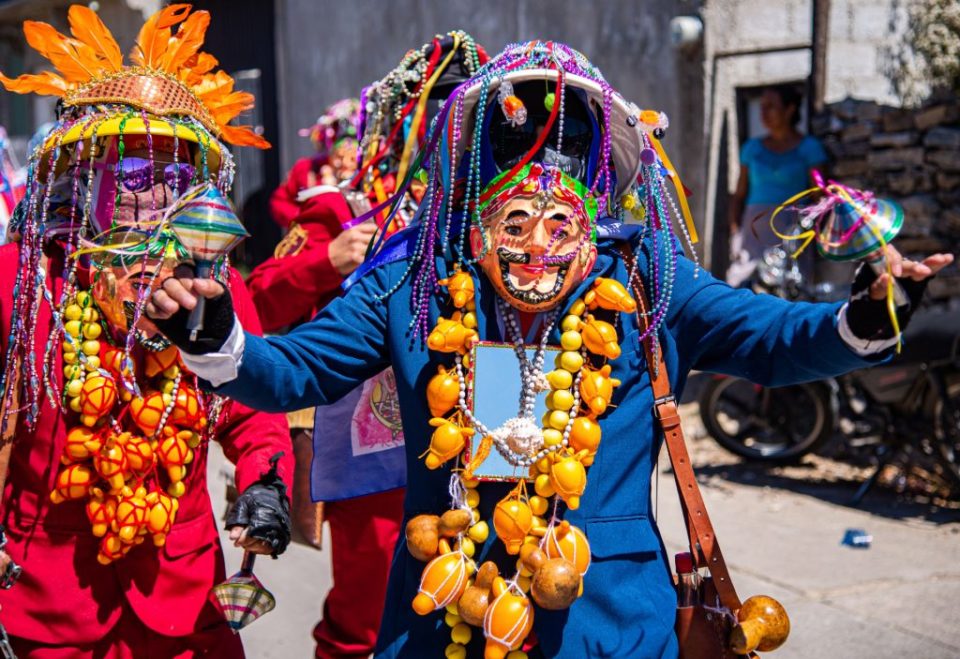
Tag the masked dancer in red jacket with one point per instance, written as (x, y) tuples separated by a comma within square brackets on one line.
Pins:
[(106, 506)]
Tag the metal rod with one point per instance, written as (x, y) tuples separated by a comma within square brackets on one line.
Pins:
[(195, 321), (249, 558)]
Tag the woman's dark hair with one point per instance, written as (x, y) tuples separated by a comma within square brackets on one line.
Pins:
[(789, 95)]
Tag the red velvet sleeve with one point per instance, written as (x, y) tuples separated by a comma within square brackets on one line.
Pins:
[(249, 438), (284, 207), (292, 286)]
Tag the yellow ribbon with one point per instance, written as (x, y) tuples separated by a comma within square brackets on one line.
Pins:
[(806, 236), (381, 195), (678, 185), (422, 109), (97, 249)]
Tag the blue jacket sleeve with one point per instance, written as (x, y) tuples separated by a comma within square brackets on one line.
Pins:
[(762, 338), (321, 361)]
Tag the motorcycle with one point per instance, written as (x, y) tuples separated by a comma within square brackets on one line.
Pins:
[(904, 412)]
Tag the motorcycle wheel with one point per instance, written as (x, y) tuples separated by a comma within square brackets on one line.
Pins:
[(772, 425), (947, 433)]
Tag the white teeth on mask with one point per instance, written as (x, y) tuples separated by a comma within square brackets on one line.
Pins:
[(531, 296)]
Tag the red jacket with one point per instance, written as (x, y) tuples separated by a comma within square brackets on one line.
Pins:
[(284, 206), (300, 279), (64, 595)]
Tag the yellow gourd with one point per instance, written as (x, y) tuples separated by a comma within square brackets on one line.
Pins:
[(512, 520), (508, 620), (461, 288), (443, 392), (446, 442), (585, 436), (569, 478), (600, 337), (442, 582), (567, 541), (161, 512), (73, 482), (596, 388), (609, 294), (451, 335), (101, 511)]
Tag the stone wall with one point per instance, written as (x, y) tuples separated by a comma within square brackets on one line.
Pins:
[(911, 156)]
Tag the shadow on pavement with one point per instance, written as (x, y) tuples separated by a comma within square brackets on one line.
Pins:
[(810, 479)]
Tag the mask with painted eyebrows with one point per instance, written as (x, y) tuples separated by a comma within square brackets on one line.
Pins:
[(534, 242)]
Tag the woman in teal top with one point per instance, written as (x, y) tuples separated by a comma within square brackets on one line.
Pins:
[(772, 169)]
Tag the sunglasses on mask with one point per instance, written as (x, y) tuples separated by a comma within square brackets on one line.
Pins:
[(139, 175)]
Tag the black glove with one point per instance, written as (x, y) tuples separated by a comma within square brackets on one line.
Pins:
[(868, 318), (218, 319), (264, 509)]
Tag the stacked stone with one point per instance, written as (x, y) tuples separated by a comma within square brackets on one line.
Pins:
[(909, 155)]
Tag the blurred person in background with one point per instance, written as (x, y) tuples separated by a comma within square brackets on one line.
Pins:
[(358, 473), (334, 138), (773, 168), (12, 184)]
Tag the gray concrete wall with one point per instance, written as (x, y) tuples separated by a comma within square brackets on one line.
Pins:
[(330, 49)]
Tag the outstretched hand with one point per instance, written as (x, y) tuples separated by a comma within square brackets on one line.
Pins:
[(902, 268), (868, 316)]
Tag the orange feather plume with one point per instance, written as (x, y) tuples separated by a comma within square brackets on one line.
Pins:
[(196, 67), (186, 42), (244, 136), (213, 87), (46, 83), (232, 105), (155, 34), (87, 27), (76, 61)]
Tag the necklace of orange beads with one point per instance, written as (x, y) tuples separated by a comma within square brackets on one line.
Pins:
[(553, 555), (128, 454)]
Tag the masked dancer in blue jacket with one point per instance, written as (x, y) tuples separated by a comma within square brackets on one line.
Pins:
[(547, 210)]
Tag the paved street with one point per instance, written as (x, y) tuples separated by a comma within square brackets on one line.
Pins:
[(780, 533)]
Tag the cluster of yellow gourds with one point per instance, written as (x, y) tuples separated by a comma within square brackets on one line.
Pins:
[(114, 468), (552, 556)]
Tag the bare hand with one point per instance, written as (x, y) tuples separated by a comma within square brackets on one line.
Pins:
[(175, 293), (348, 250), (238, 535), (915, 270)]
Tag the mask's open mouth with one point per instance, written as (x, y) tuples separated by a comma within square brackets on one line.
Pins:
[(156, 343), (507, 258)]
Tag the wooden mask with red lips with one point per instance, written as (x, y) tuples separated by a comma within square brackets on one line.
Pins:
[(536, 241)]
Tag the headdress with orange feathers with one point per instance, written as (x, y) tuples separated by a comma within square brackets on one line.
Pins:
[(102, 182), (170, 75)]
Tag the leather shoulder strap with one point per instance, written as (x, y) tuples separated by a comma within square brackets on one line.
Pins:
[(702, 539)]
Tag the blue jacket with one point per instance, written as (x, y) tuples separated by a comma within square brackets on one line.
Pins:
[(628, 605)]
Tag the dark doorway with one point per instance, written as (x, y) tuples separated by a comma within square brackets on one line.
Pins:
[(241, 36)]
